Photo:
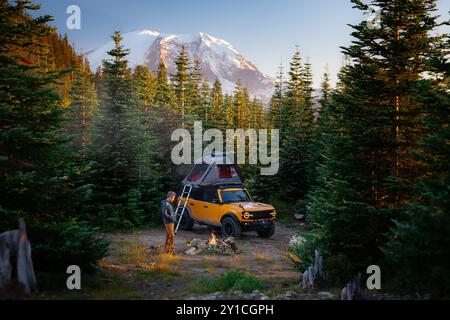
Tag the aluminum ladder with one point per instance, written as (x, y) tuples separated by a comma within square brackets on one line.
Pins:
[(182, 203)]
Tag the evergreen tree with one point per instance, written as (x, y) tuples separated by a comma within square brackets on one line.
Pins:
[(144, 136), (277, 100), (205, 101), (296, 78), (297, 128), (372, 120), (81, 112), (164, 95), (308, 89), (194, 92), (218, 111), (144, 86), (115, 148), (418, 246), (229, 111), (180, 83), (31, 113), (325, 88), (325, 116)]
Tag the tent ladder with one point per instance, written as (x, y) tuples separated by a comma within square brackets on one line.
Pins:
[(182, 203)]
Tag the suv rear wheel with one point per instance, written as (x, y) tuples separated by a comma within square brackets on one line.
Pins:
[(186, 223), (267, 232), (230, 228)]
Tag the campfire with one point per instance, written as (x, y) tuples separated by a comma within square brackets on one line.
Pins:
[(212, 246), (213, 240)]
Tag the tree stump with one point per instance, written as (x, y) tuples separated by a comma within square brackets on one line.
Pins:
[(15, 248), (354, 290)]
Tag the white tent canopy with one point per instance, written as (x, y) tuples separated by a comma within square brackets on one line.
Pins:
[(214, 170)]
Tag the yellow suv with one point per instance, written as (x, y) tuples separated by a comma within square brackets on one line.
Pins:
[(229, 208)]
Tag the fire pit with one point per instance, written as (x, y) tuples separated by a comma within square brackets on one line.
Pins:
[(212, 246)]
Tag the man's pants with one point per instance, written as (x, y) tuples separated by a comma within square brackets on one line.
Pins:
[(170, 236)]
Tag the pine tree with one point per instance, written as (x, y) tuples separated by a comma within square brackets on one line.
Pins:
[(229, 111), (418, 244), (145, 136), (114, 145), (359, 187), (277, 99), (307, 88), (164, 96), (218, 111), (144, 86), (180, 82), (325, 88), (81, 112), (296, 78), (32, 155), (325, 116), (297, 128), (194, 91)]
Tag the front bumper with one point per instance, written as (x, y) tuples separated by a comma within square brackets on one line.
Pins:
[(257, 224)]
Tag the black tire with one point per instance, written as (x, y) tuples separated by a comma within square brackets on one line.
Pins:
[(230, 228), (267, 232), (187, 222)]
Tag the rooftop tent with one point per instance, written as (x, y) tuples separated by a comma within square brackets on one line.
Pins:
[(214, 170)]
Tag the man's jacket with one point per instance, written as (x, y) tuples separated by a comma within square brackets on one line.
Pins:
[(168, 213)]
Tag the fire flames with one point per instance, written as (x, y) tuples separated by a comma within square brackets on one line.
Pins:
[(213, 240)]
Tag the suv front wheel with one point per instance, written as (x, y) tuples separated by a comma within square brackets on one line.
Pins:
[(267, 232), (230, 228)]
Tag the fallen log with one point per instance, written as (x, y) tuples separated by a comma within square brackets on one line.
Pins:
[(15, 247)]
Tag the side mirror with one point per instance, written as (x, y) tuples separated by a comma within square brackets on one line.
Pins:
[(255, 198), (216, 201)]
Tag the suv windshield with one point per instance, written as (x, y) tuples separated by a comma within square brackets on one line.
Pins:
[(230, 196)]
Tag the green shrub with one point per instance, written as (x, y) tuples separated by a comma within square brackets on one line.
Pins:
[(303, 245), (58, 245), (234, 280)]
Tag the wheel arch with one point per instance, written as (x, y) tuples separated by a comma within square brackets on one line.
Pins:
[(230, 215)]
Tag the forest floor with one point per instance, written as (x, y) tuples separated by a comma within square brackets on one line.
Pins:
[(137, 268)]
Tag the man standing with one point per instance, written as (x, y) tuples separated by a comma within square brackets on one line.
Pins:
[(169, 220)]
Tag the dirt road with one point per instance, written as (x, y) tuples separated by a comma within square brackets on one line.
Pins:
[(157, 276)]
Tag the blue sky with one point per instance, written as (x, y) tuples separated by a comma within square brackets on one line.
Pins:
[(264, 31)]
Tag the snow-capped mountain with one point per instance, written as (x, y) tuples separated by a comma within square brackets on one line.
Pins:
[(219, 59)]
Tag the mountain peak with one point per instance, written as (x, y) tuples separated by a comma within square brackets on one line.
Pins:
[(218, 58), (149, 32)]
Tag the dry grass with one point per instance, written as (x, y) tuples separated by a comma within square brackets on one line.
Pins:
[(143, 258), (262, 257), (168, 258), (235, 261), (210, 270), (135, 253)]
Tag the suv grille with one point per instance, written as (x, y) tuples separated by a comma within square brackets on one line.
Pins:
[(257, 215)]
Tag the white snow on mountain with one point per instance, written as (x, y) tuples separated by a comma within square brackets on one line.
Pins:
[(218, 58)]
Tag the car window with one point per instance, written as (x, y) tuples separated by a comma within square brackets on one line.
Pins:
[(208, 195), (197, 194), (230, 196)]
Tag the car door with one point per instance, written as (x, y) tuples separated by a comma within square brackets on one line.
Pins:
[(199, 206), (212, 206)]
